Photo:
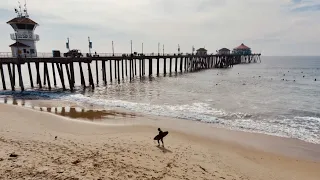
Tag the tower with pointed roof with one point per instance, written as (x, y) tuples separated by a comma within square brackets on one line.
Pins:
[(242, 50), (24, 37)]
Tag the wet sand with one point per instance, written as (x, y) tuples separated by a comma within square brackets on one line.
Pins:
[(72, 110), (94, 150)]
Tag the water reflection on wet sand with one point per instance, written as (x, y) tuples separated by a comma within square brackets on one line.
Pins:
[(94, 115)]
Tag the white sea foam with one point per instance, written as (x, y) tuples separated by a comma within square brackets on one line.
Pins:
[(303, 128), (300, 127)]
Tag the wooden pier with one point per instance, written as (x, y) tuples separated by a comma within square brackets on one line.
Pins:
[(60, 69)]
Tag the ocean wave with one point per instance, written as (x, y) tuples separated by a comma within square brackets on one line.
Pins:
[(305, 113), (194, 111), (290, 128), (305, 128)]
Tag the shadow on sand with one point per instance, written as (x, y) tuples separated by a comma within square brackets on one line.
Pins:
[(164, 150)]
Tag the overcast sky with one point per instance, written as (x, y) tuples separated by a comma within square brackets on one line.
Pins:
[(273, 27)]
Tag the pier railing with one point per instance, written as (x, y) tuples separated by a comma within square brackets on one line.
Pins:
[(50, 55), (5, 54), (39, 54)]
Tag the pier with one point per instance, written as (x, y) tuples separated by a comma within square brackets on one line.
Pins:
[(111, 69)]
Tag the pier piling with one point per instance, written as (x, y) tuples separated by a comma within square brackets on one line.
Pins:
[(104, 72), (135, 66), (30, 74), (38, 75), (10, 76), (20, 77), (176, 65), (185, 64), (103, 68), (132, 67), (158, 66), (118, 62), (90, 76), (122, 72), (130, 74), (126, 64), (44, 75), (60, 72), (170, 65), (143, 66), (115, 70), (150, 67), (47, 75), (110, 71), (72, 74), (164, 66), (54, 75), (69, 77), (3, 78), (14, 74), (83, 82), (97, 72), (181, 63), (140, 71)]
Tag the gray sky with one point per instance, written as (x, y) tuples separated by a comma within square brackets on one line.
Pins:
[(273, 27)]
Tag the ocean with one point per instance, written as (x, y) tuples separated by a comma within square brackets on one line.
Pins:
[(279, 96)]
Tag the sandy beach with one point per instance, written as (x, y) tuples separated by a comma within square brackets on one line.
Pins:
[(41, 145)]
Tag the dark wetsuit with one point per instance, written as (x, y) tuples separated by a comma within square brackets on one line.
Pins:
[(161, 139)]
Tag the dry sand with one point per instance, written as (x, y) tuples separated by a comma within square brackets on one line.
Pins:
[(85, 150)]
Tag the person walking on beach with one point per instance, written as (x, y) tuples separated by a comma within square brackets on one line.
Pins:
[(160, 136)]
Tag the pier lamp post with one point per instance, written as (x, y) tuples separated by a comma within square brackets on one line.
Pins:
[(142, 49), (131, 45), (163, 49), (90, 45), (178, 49), (158, 49), (112, 49), (68, 44)]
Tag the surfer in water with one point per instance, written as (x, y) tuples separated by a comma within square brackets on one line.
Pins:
[(160, 136)]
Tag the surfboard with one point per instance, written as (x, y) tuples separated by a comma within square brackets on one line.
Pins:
[(162, 135)]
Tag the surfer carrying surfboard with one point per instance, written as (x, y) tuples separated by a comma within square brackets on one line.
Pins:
[(160, 136)]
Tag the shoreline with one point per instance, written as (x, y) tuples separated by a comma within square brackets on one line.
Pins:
[(275, 129), (284, 146), (89, 150)]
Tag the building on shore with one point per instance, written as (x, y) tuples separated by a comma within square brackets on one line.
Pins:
[(223, 51), (24, 37), (242, 50), (201, 51)]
